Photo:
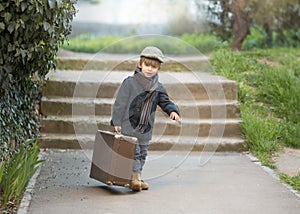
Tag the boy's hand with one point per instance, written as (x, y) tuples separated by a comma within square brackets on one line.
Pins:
[(174, 116), (117, 129)]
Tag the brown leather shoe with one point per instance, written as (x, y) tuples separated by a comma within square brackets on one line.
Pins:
[(144, 185), (135, 184)]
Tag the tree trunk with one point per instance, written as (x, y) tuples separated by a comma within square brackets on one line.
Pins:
[(241, 24)]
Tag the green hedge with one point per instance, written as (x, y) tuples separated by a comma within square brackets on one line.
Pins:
[(31, 32)]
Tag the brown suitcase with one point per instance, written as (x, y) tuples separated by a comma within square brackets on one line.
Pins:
[(112, 159)]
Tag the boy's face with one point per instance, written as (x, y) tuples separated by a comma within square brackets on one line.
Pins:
[(149, 70)]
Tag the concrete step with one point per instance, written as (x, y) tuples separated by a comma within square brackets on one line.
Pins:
[(105, 61), (163, 126), (170, 143), (78, 103), (60, 106), (185, 64), (101, 84)]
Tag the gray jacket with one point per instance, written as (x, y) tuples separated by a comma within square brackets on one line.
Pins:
[(127, 107)]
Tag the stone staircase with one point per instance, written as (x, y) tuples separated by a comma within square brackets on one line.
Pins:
[(78, 103)]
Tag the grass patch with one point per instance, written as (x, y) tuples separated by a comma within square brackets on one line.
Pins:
[(15, 173), (89, 43), (280, 88), (269, 85), (291, 135), (293, 181), (263, 134), (205, 43), (186, 44)]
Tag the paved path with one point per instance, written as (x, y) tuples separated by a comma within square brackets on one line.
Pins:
[(227, 183)]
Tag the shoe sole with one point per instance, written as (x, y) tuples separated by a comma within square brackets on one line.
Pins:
[(136, 189)]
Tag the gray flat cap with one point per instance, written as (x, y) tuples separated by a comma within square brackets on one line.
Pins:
[(153, 52)]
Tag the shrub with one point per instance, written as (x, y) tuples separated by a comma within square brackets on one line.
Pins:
[(287, 38), (258, 38), (30, 33)]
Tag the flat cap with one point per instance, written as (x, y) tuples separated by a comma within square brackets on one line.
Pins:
[(153, 52)]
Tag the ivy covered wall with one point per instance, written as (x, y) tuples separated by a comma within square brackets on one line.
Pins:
[(31, 32)]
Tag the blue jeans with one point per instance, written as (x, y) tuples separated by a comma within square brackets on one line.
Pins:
[(140, 156)]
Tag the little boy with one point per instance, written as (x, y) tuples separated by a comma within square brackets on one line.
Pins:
[(135, 106)]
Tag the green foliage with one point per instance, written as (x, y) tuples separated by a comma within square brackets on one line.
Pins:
[(18, 120), (112, 44), (287, 38), (294, 181), (16, 172), (219, 10), (31, 32), (277, 14), (258, 38), (273, 21)]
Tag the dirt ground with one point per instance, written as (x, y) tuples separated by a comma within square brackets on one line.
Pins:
[(288, 161)]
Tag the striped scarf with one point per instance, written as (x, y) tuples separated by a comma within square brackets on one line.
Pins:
[(149, 85)]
